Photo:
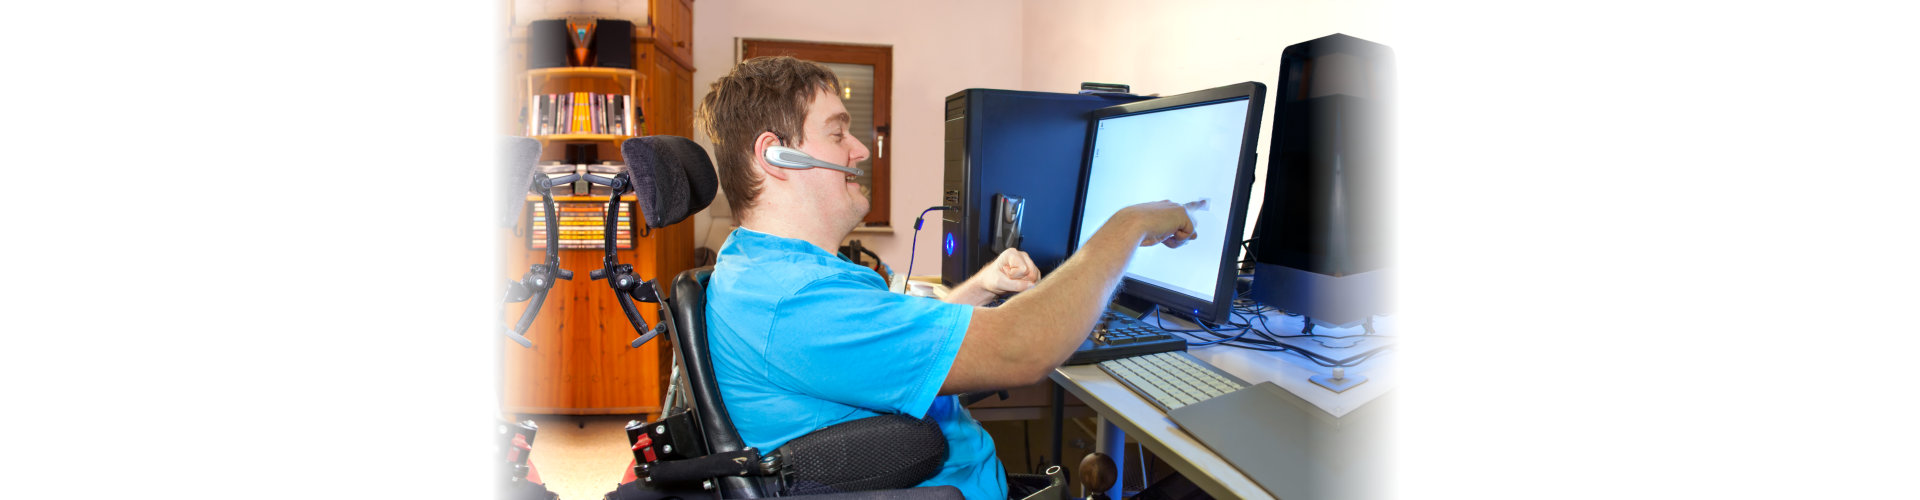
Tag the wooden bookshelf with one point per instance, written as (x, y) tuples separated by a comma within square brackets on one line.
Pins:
[(581, 72), (582, 137), (580, 363)]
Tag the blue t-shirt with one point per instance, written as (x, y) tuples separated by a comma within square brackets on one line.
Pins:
[(803, 339)]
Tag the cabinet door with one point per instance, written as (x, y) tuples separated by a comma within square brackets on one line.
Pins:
[(672, 22), (682, 96), (672, 97), (644, 55)]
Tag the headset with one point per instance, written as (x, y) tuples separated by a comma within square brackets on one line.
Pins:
[(785, 157)]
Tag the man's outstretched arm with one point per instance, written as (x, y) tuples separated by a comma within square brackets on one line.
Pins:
[(1019, 342)]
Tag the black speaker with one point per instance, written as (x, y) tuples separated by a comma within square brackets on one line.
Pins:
[(547, 44), (613, 42)]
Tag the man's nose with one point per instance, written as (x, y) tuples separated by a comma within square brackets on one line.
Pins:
[(860, 152)]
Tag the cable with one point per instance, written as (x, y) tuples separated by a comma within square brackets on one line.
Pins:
[(1269, 343), (916, 237), (1223, 338)]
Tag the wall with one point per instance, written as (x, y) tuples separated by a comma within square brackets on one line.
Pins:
[(937, 50), (1053, 45), (521, 12), (1170, 48)]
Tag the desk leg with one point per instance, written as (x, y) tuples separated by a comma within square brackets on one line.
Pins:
[(1113, 442), (1059, 417)]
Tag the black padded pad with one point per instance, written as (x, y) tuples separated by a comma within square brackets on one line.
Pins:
[(672, 176)]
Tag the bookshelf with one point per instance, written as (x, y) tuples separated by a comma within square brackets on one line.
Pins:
[(583, 137), (580, 363)]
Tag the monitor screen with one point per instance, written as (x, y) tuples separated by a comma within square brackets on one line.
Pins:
[(1194, 146)]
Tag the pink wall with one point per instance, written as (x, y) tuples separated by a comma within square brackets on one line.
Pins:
[(1045, 45), (938, 48), (1180, 47)]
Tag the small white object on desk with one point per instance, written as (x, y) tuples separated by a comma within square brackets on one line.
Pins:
[(918, 287)]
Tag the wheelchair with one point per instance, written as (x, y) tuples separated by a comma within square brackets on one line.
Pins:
[(694, 450)]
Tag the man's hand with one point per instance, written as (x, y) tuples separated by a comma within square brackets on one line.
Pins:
[(1012, 272), (1165, 223)]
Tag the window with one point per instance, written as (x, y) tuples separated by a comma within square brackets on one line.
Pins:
[(866, 83)]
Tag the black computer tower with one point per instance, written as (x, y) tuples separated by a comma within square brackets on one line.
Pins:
[(1323, 245), (1018, 143)]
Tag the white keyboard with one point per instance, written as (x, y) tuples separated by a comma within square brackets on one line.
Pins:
[(1171, 379)]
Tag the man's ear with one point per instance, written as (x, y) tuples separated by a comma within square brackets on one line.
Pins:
[(760, 145)]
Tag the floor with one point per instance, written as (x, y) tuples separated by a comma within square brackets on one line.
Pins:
[(581, 463)]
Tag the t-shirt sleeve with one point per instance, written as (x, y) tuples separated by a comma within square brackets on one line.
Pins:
[(842, 340)]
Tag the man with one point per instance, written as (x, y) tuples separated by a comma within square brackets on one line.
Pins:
[(803, 339)]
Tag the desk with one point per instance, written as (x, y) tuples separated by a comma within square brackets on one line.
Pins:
[(1119, 406), (1345, 457)]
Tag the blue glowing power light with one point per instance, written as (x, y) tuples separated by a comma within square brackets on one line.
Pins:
[(949, 244)]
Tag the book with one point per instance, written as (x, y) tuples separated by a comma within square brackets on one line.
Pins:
[(599, 113), (530, 122), (546, 114), (581, 123), (619, 116)]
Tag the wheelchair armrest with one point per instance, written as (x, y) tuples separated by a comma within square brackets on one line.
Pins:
[(969, 399), (922, 493)]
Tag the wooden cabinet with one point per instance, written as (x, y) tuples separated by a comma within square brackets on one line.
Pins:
[(667, 65), (672, 23), (580, 363), (671, 82)]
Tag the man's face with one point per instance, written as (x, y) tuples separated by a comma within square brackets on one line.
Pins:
[(827, 138)]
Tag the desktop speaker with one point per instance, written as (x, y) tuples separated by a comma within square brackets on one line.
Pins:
[(547, 44), (613, 43)]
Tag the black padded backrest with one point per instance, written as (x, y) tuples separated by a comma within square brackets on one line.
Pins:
[(689, 306)]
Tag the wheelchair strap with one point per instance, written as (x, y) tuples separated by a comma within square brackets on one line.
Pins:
[(733, 463)]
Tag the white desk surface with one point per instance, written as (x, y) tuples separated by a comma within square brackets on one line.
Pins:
[(1290, 371), (1152, 429)]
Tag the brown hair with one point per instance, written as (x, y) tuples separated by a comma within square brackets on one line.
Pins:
[(763, 94)]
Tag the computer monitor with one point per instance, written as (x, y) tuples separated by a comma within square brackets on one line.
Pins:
[(1182, 148), (1322, 246)]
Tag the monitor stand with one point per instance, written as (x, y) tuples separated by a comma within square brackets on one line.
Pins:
[(1133, 307), (1339, 381)]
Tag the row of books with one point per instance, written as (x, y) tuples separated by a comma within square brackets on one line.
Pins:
[(582, 225), (583, 113)]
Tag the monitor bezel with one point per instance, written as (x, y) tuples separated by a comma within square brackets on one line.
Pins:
[(1218, 309)]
